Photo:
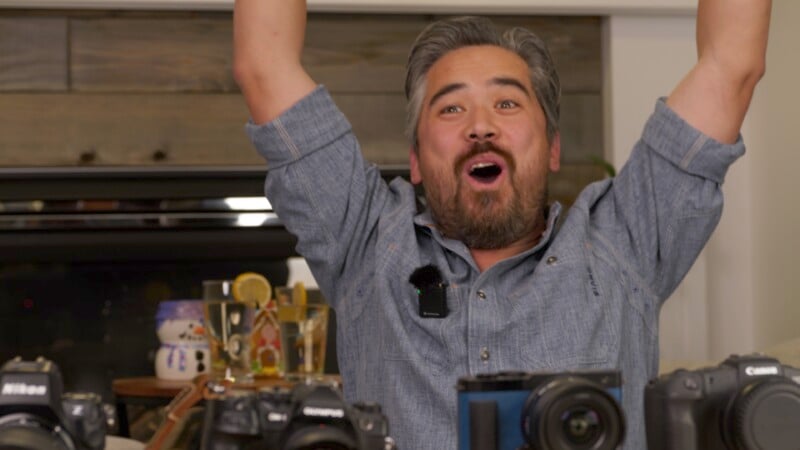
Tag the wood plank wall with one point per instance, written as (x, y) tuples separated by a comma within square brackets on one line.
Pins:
[(155, 88)]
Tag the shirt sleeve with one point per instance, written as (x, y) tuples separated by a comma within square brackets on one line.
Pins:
[(660, 210), (686, 147), (311, 124), (321, 187)]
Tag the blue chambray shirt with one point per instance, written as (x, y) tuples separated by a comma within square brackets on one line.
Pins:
[(586, 297)]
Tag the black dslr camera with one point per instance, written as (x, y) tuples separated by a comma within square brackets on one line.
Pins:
[(307, 417), (35, 415), (540, 411), (747, 402)]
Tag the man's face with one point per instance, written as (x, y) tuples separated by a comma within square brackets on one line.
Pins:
[(483, 154)]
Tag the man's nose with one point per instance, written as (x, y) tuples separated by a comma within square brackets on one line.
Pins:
[(481, 128)]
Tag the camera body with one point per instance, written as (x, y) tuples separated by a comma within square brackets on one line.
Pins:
[(539, 410), (307, 416), (36, 414), (746, 402)]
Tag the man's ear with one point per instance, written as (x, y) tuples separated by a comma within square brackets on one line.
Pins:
[(555, 153), (413, 160)]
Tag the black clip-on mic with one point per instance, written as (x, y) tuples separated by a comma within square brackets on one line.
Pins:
[(431, 290)]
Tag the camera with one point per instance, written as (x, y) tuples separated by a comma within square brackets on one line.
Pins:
[(540, 411), (746, 402), (35, 414), (306, 417)]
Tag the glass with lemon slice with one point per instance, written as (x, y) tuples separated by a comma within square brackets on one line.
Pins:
[(242, 327)]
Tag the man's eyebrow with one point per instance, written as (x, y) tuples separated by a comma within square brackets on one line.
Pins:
[(444, 91), (508, 81), (500, 81)]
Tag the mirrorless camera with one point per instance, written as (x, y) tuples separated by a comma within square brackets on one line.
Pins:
[(35, 414), (747, 402), (541, 411), (307, 417)]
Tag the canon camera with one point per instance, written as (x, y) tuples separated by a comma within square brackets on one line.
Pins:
[(747, 402), (307, 417), (36, 415), (542, 411)]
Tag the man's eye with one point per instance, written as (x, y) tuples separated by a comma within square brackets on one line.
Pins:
[(507, 104), (451, 109)]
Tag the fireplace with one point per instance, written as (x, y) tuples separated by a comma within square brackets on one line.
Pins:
[(87, 255)]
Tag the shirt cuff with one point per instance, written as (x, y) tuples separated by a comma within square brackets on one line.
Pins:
[(694, 152), (309, 125)]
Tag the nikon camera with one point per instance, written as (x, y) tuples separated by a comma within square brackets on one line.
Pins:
[(747, 402), (36, 415), (540, 411), (307, 417)]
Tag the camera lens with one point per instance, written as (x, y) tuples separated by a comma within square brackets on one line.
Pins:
[(316, 437), (27, 432), (764, 414), (572, 412), (324, 446), (581, 425)]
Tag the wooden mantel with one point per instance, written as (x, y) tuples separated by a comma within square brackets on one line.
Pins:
[(561, 7)]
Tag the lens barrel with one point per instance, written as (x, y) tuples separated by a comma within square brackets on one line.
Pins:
[(320, 438), (764, 414), (572, 412), (23, 431)]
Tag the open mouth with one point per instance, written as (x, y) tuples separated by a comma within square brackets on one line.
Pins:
[(485, 172)]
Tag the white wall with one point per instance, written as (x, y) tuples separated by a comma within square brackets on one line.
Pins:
[(776, 182), (740, 295), (645, 57)]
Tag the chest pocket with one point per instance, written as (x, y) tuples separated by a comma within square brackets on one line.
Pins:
[(565, 317), (405, 336)]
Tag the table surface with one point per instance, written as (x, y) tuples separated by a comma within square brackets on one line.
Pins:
[(120, 443)]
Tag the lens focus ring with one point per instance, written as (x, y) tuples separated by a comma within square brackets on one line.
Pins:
[(764, 414), (572, 412)]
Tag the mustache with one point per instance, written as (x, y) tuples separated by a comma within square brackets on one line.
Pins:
[(479, 148)]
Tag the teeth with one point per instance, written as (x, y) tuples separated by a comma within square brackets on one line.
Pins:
[(481, 165)]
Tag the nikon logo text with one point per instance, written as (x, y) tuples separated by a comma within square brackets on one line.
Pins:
[(24, 389), (755, 371), (323, 412)]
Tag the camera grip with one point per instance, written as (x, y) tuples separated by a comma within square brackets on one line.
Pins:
[(670, 412), (483, 425)]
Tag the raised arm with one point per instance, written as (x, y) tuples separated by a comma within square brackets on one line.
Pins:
[(731, 45), (267, 46)]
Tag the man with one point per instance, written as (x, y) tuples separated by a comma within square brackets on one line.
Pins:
[(521, 292)]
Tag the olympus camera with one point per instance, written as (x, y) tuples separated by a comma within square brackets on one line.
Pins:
[(36, 415), (307, 417), (747, 402), (542, 411)]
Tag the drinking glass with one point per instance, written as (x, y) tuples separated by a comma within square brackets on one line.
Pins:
[(303, 333), (229, 326)]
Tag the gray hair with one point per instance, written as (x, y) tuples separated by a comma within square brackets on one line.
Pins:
[(443, 36)]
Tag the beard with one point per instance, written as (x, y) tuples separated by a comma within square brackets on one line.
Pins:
[(488, 220)]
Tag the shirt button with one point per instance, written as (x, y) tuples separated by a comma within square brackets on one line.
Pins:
[(552, 260), (482, 295), (485, 354)]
